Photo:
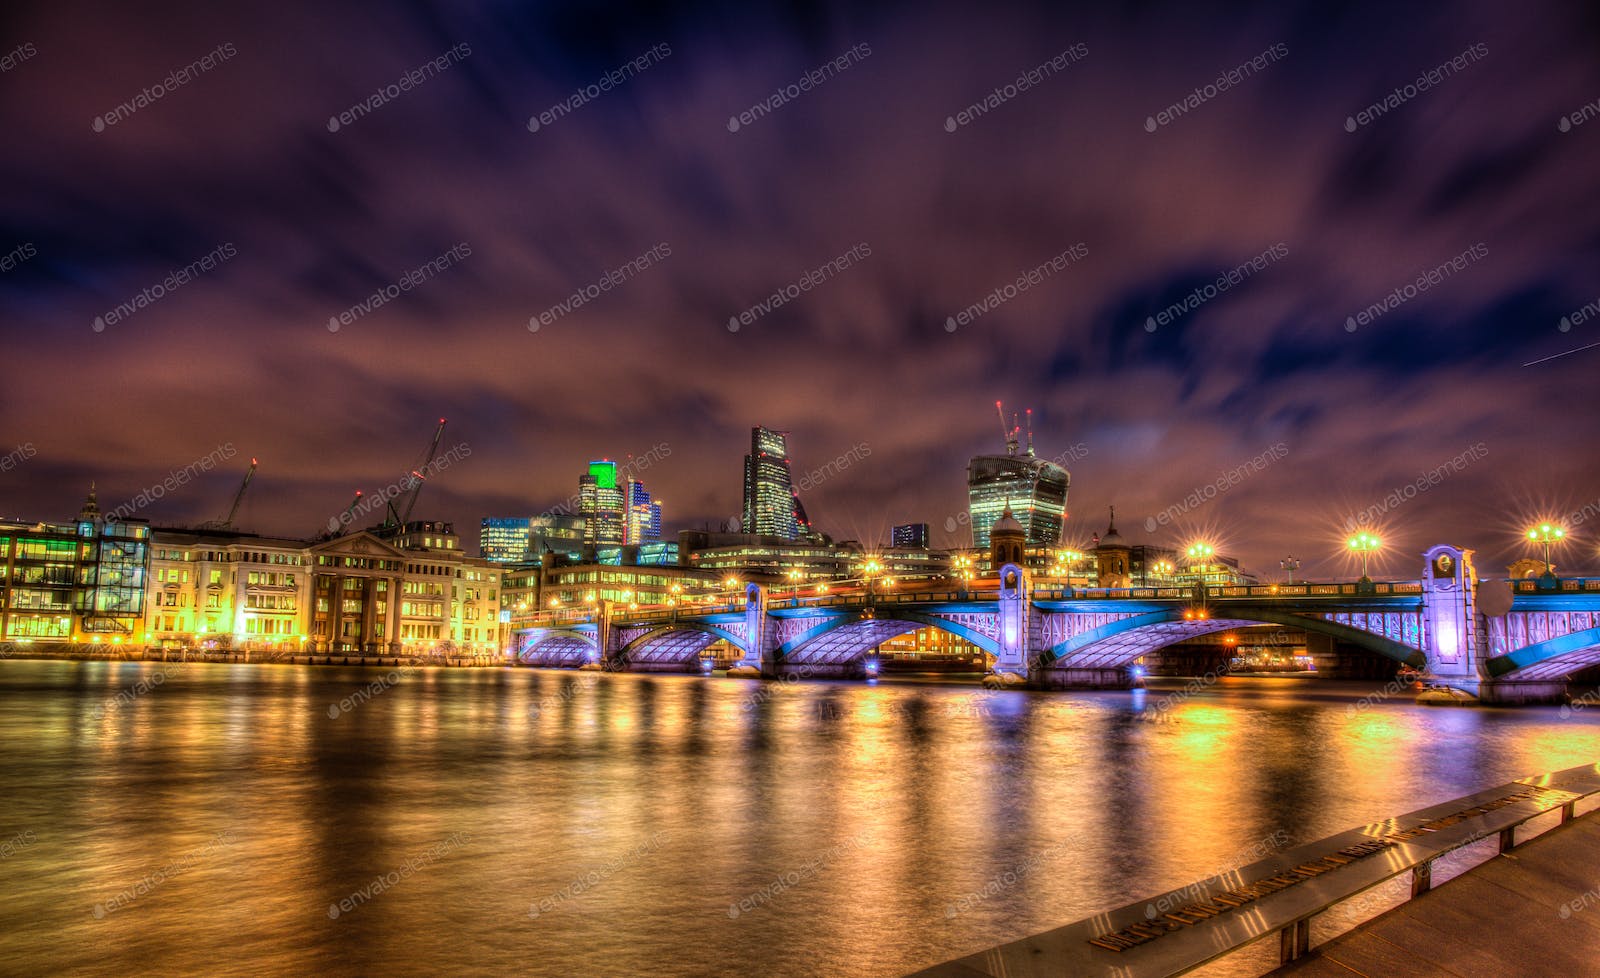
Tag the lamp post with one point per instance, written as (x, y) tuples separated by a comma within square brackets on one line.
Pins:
[(1290, 564), (1364, 544), (1164, 568), (795, 576), (1200, 555), (1547, 534), (676, 589)]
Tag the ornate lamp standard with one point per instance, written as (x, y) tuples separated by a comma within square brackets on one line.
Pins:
[(1290, 564), (1364, 544), (1547, 534)]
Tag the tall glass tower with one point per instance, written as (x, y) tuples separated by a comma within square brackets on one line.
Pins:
[(771, 507), (1035, 489)]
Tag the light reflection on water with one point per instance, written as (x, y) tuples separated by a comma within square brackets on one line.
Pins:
[(662, 825)]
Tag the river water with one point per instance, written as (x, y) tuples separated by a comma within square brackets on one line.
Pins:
[(271, 820)]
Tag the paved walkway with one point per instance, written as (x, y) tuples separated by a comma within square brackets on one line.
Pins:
[(1533, 911)]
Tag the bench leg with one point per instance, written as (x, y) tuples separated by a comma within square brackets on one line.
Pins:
[(1508, 839), (1294, 941), (1567, 812), (1421, 879)]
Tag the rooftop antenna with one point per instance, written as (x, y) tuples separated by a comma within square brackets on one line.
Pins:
[(1030, 432)]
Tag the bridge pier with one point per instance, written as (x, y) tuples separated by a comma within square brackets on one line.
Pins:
[(1509, 692), (1115, 678)]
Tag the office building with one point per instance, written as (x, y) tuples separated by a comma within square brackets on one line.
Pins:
[(601, 504), (771, 506), (910, 536), (1033, 488), (74, 582), (643, 519)]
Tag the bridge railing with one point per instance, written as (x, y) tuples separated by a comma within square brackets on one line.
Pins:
[(1532, 585), (1174, 933), (1180, 592)]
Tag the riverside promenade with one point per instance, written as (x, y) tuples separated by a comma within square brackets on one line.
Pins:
[(1527, 904), (1534, 910)]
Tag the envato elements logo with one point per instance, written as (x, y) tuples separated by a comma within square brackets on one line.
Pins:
[(1580, 704), (585, 680), (1411, 290), (1156, 712), (595, 877), (1011, 290), (793, 878), (635, 465), (138, 689), (1211, 490), (1011, 90), (1425, 81), (175, 79), (154, 293), (153, 880), (1004, 881), (16, 844), (818, 476), (370, 690), (22, 453), (407, 282), (1577, 318), (1227, 280), (1427, 480), (1578, 118), (1589, 511), (1393, 687), (18, 255), (794, 290), (1225, 81), (1194, 891), (175, 480), (800, 86), (405, 83), (607, 82), (1580, 904), (381, 884), (595, 290), (400, 486), (17, 56)]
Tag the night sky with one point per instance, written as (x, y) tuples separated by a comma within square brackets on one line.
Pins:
[(1487, 174)]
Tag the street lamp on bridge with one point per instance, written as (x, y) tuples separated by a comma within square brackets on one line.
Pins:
[(1547, 534), (1200, 555), (1291, 564), (1364, 544)]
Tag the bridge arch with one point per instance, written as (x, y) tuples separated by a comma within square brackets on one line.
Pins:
[(558, 647), (1119, 642), (1552, 659), (678, 644), (847, 637)]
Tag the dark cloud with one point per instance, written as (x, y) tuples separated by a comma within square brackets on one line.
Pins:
[(241, 355)]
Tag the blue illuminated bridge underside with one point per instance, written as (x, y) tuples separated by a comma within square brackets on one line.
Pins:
[(1545, 637)]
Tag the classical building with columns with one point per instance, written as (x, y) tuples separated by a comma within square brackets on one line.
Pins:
[(357, 593)]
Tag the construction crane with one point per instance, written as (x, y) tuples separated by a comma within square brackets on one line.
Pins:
[(343, 519), (407, 500), (238, 497), (1009, 431)]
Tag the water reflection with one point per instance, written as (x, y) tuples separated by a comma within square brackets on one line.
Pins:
[(663, 824)]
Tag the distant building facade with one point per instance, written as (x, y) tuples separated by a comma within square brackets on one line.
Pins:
[(910, 536), (83, 581), (771, 506)]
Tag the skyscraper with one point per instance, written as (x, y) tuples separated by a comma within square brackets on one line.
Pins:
[(643, 517), (600, 502), (1035, 489), (771, 507)]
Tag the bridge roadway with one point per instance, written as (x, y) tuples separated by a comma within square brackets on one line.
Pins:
[(1522, 645)]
